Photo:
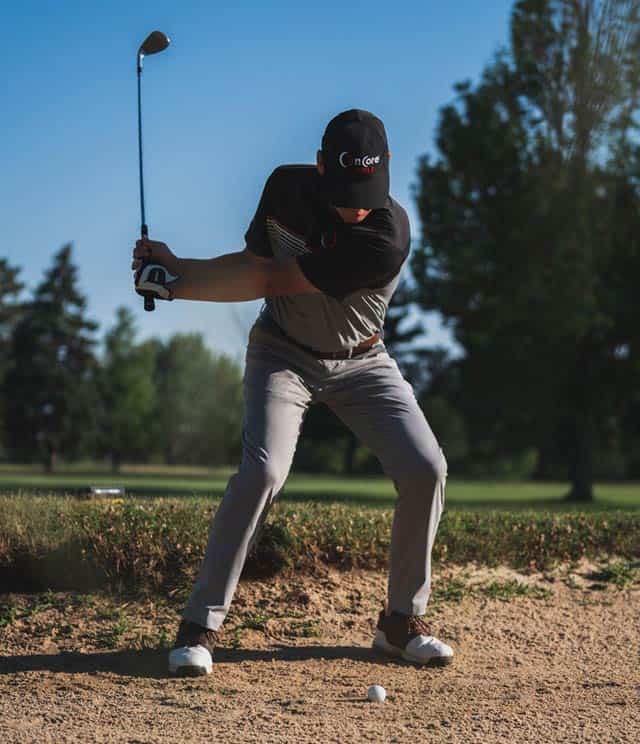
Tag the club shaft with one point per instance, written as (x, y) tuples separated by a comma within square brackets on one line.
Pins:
[(149, 304), (142, 212)]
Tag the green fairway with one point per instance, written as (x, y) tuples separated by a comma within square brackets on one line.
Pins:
[(372, 491)]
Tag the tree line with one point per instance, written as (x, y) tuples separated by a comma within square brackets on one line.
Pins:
[(171, 401)]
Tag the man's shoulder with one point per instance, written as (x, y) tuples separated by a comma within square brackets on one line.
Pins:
[(399, 215), (292, 176)]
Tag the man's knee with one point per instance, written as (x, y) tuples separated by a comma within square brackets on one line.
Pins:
[(441, 468), (262, 474), (428, 468)]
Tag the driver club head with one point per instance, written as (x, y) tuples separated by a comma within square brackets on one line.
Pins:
[(154, 43)]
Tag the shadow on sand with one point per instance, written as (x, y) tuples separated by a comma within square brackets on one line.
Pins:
[(152, 663)]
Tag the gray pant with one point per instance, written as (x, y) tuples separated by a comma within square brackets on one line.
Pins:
[(373, 399)]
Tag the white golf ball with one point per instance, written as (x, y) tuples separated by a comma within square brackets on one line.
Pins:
[(376, 693)]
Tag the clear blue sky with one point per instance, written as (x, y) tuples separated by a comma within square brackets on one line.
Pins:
[(244, 87)]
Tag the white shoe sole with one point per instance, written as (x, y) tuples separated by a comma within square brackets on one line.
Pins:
[(190, 661), (381, 644)]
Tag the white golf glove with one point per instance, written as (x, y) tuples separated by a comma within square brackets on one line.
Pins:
[(153, 279)]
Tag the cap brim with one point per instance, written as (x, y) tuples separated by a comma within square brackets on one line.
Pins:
[(370, 192)]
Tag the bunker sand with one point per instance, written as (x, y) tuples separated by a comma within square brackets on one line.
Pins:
[(295, 663)]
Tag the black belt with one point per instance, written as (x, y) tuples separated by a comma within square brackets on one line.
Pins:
[(342, 354)]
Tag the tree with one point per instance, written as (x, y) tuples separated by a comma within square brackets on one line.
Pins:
[(10, 289), (199, 403), (10, 307), (523, 218), (47, 388), (127, 393)]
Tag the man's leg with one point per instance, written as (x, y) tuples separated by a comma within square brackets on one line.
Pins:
[(378, 404), (275, 400)]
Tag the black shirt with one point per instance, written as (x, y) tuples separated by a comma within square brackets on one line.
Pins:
[(356, 267), (295, 219)]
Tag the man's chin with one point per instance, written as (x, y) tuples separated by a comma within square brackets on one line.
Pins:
[(352, 215)]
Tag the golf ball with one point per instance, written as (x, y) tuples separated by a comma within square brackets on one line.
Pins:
[(376, 693)]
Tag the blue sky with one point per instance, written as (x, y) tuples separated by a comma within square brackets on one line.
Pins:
[(244, 87)]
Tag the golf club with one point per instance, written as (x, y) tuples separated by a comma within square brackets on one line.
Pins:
[(154, 43)]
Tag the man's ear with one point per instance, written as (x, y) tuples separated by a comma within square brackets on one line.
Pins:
[(320, 163)]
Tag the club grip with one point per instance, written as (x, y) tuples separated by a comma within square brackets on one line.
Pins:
[(149, 302)]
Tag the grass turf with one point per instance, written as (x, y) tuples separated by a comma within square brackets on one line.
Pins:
[(372, 491)]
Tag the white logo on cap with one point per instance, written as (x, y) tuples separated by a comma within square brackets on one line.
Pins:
[(347, 160)]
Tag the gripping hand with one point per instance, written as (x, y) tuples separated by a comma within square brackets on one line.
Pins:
[(155, 270), (154, 280)]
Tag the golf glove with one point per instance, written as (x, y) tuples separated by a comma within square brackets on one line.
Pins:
[(153, 280)]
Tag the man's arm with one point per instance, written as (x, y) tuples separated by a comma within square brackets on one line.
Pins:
[(236, 277), (233, 277)]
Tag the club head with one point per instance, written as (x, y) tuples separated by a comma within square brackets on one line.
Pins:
[(154, 43)]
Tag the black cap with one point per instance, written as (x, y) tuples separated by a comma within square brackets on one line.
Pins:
[(355, 153)]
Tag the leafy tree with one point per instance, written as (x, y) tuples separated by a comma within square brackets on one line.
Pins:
[(50, 405), (527, 217), (221, 415), (127, 393), (199, 403)]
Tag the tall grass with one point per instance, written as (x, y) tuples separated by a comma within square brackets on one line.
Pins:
[(61, 542)]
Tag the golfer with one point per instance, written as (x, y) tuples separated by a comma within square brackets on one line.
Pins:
[(325, 249)]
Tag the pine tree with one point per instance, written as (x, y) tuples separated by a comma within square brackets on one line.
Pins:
[(50, 401), (10, 307)]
